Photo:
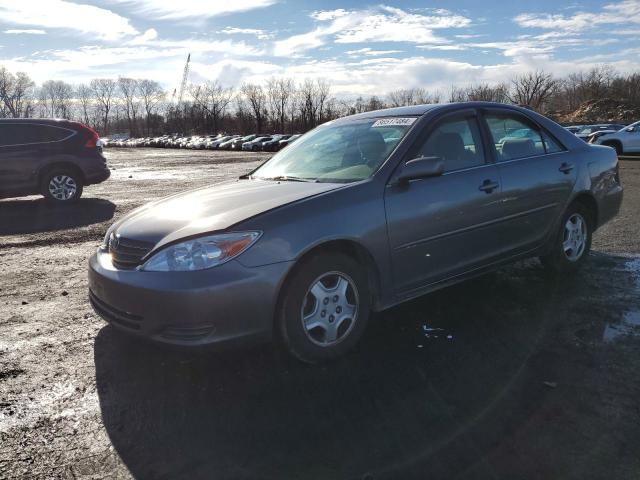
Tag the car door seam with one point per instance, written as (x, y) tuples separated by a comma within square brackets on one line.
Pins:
[(473, 227)]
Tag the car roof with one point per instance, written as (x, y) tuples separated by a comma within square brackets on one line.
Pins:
[(51, 121), (418, 110)]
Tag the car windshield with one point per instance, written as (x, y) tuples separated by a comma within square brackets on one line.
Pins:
[(344, 152)]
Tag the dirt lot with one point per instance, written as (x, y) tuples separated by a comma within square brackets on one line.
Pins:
[(513, 375)]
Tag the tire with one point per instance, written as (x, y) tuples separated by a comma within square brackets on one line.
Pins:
[(569, 253), (61, 186), (339, 319)]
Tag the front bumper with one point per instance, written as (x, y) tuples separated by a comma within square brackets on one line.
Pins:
[(228, 303), (97, 176)]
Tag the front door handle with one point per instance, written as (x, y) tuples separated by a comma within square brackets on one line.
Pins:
[(489, 186), (566, 167)]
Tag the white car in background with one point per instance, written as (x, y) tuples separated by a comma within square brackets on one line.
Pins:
[(626, 140)]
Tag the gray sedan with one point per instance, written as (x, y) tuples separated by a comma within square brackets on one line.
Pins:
[(358, 215)]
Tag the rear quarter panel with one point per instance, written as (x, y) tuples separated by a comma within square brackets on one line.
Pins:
[(601, 179)]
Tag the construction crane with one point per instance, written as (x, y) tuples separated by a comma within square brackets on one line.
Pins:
[(185, 77)]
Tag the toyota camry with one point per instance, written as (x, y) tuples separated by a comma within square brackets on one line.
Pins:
[(358, 215)]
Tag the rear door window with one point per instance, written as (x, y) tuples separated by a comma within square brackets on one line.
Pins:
[(28, 133), (514, 137)]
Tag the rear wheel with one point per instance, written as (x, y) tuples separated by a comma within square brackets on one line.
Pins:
[(324, 308), (61, 186), (573, 241)]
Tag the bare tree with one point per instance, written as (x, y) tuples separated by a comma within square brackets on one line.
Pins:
[(128, 88), (533, 89), (411, 96), (85, 97), (280, 92), (16, 93), (104, 90), (151, 94), (213, 98), (256, 98), (323, 90), (483, 92), (56, 97)]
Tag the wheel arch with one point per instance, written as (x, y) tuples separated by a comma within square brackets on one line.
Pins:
[(589, 202), (348, 247), (61, 165), (614, 143)]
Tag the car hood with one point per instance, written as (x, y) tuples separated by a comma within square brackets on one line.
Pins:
[(213, 208)]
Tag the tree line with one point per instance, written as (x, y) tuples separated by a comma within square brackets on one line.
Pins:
[(141, 107)]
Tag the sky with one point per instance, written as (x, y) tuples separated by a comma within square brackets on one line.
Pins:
[(362, 48)]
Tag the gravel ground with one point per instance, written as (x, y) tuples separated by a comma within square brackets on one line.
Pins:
[(512, 375)]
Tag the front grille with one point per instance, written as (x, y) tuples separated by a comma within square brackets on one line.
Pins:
[(127, 253), (112, 314)]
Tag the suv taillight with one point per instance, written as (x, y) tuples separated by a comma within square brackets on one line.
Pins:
[(92, 141)]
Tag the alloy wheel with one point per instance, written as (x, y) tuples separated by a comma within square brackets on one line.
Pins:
[(62, 187)]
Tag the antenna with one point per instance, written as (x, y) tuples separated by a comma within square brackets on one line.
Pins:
[(185, 76)]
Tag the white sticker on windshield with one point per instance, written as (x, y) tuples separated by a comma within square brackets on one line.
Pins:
[(392, 122)]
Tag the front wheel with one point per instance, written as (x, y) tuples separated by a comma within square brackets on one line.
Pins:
[(61, 186), (325, 308), (573, 242)]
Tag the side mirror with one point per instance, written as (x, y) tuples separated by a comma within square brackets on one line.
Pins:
[(631, 129), (421, 167)]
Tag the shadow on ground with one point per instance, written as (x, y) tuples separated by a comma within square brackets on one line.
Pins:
[(38, 215), (412, 402)]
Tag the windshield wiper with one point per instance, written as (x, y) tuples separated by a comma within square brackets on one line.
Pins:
[(286, 178)]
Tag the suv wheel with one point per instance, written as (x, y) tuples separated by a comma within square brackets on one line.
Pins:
[(61, 186), (573, 242), (325, 308)]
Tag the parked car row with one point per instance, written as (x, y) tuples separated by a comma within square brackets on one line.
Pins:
[(589, 132), (624, 139), (254, 142)]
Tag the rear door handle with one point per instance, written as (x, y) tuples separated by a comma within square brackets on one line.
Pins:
[(489, 186), (566, 167)]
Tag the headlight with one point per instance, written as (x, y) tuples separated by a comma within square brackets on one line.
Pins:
[(200, 253), (105, 240)]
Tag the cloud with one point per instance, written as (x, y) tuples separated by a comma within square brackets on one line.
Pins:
[(395, 25), (25, 32), (624, 13), (324, 15), (198, 9), (61, 14), (382, 24), (260, 34), (370, 52)]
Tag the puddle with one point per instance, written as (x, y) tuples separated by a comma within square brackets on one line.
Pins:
[(630, 325), (430, 333), (633, 266)]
